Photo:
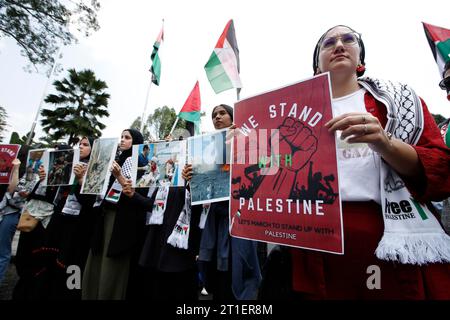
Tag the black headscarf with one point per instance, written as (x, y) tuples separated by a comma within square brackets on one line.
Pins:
[(362, 51), (137, 139), (227, 108)]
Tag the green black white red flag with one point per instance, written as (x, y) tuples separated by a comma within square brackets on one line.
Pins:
[(156, 62), (191, 110), (439, 40), (222, 68)]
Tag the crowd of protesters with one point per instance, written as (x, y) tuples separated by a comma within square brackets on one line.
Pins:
[(120, 257)]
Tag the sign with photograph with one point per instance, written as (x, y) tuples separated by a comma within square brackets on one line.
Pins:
[(284, 171), (8, 152), (158, 164), (60, 167), (98, 170), (35, 159), (210, 159)]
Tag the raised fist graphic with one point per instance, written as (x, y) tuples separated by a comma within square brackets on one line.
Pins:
[(296, 145)]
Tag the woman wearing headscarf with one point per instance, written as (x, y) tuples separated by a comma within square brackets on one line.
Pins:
[(34, 255), (69, 232), (167, 269), (232, 264), (394, 246), (117, 233)]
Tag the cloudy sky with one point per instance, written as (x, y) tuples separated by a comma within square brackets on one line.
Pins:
[(276, 40)]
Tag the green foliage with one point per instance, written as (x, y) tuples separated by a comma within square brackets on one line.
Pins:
[(16, 139), (159, 123), (146, 132), (80, 102), (39, 27), (162, 121)]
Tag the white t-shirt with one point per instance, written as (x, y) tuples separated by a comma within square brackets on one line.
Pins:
[(358, 165)]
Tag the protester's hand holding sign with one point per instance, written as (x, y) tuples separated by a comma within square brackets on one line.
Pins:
[(42, 173), (79, 170), (231, 133), (128, 190), (361, 127), (14, 175)]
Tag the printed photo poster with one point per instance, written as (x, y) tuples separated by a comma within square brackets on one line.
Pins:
[(210, 159), (35, 159), (60, 167), (158, 164), (8, 152), (98, 171), (284, 172)]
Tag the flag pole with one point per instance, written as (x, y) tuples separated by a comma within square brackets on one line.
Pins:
[(174, 125), (145, 106), (33, 126)]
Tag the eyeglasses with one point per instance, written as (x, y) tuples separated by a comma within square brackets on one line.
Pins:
[(445, 84), (347, 39)]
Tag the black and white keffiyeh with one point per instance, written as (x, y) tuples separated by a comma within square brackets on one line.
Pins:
[(412, 234)]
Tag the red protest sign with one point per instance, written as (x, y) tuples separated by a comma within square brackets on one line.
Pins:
[(284, 186), (8, 152)]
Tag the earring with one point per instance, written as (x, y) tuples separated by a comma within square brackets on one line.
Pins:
[(360, 68)]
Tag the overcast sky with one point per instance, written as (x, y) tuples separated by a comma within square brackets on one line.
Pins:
[(276, 40)]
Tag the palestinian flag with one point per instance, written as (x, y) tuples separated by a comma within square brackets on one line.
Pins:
[(222, 68), (191, 108), (439, 40), (156, 65)]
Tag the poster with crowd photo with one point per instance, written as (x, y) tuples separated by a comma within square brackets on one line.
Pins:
[(158, 164), (284, 172), (210, 159), (8, 152), (98, 170), (60, 167)]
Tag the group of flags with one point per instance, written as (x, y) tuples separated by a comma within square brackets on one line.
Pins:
[(222, 70)]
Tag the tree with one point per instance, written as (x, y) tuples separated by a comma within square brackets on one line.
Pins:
[(81, 101), (159, 123), (39, 27), (16, 139), (3, 124), (438, 118), (146, 132)]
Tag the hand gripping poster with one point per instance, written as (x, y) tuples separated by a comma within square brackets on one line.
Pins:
[(284, 186)]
